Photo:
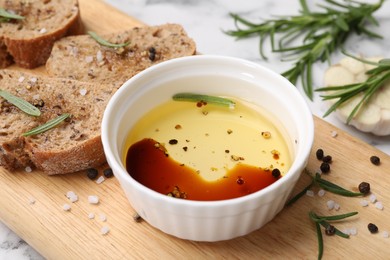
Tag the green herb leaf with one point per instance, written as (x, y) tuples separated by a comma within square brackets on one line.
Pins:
[(48, 125), (22, 104), (334, 188), (205, 98), (310, 36), (106, 43), (7, 15), (376, 78)]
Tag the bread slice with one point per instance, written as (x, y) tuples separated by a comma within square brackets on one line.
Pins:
[(73, 145), (28, 42), (82, 58)]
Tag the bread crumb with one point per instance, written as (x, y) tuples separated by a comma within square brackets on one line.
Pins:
[(104, 230), (100, 180), (93, 199), (66, 207), (91, 215)]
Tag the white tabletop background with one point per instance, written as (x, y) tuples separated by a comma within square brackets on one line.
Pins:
[(205, 21)]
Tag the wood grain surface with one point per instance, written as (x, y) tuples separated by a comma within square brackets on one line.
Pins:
[(59, 234)]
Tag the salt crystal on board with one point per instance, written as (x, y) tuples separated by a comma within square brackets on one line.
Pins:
[(93, 199)]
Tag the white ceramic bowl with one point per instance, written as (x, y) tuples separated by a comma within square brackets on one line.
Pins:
[(213, 75)]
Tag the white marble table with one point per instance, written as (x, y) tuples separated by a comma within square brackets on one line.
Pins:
[(204, 21)]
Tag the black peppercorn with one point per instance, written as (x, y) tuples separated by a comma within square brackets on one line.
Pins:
[(364, 187), (330, 230), (325, 167), (108, 173), (276, 173), (173, 141), (372, 228), (240, 180), (92, 173), (320, 154), (327, 159), (375, 160)]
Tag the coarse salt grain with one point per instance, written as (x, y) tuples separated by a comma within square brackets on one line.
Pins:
[(92, 199), (385, 234), (336, 206), (333, 134), (28, 169), (310, 193), (99, 56), (91, 215), (100, 180), (31, 201), (353, 231), (364, 203), (102, 217), (104, 230), (66, 207), (321, 192), (36, 97), (83, 92), (88, 59), (33, 79), (379, 205), (372, 198), (330, 204), (21, 79), (43, 30), (72, 196)]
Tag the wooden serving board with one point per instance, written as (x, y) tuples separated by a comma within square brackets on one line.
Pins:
[(59, 234)]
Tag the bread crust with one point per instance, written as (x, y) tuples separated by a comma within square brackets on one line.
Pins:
[(28, 47)]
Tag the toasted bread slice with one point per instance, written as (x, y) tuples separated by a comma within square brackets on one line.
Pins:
[(28, 42), (73, 145), (82, 58)]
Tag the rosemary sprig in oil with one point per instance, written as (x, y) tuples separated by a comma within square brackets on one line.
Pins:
[(204, 98), (321, 33), (376, 78)]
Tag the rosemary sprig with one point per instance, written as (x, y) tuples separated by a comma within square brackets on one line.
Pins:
[(20, 103), (204, 98), (47, 126), (5, 16), (324, 221), (324, 184), (321, 33), (106, 43), (376, 78)]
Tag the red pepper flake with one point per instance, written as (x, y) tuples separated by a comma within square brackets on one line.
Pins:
[(227, 151), (229, 131), (275, 154), (178, 127)]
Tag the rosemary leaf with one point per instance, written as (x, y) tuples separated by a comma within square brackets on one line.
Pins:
[(310, 36), (206, 98), (22, 104), (334, 188), (106, 43), (48, 125), (320, 241), (7, 15), (343, 93)]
